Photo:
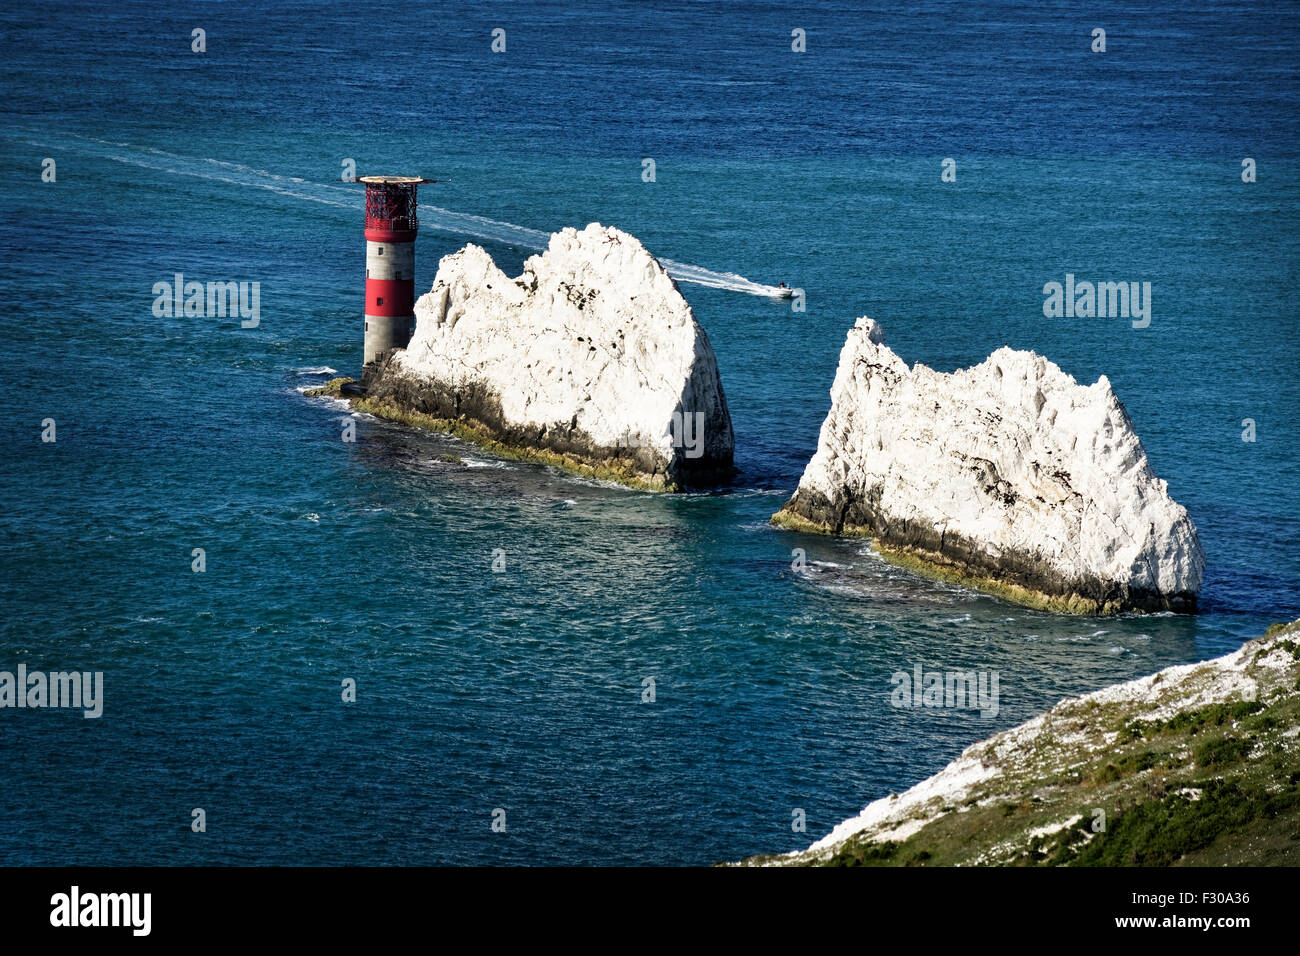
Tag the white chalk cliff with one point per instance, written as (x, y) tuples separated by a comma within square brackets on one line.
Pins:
[(1008, 475), (591, 351), (1048, 765)]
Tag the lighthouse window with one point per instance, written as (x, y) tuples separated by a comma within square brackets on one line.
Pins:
[(379, 301), (381, 250)]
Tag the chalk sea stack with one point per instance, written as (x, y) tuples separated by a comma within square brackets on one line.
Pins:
[(590, 358), (1008, 476)]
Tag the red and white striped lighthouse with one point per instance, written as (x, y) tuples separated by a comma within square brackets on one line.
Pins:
[(391, 225)]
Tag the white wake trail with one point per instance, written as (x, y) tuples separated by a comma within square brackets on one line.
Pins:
[(351, 197)]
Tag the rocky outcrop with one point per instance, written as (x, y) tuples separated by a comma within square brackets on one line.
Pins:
[(1194, 765), (591, 354), (1008, 476)]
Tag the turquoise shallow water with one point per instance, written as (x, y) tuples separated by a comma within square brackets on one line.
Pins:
[(522, 690)]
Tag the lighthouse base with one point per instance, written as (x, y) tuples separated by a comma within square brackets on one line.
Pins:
[(385, 333)]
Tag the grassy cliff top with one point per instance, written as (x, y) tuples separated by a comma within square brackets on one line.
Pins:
[(1198, 764)]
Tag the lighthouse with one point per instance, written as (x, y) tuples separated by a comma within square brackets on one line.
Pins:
[(391, 225)]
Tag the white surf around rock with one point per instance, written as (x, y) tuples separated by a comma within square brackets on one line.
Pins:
[(591, 351), (1008, 475)]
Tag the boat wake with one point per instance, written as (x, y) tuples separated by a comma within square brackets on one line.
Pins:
[(351, 197)]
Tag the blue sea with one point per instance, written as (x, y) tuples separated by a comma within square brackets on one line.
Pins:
[(522, 690)]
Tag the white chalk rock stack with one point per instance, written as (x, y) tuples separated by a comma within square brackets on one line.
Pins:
[(1008, 475), (590, 352)]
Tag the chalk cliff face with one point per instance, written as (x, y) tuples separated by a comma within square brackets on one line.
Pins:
[(1207, 749), (591, 353), (1008, 476)]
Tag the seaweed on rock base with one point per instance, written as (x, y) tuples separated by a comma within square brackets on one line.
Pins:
[(621, 471), (954, 561)]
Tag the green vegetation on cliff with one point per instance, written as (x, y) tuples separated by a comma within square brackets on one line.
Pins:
[(1197, 765)]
